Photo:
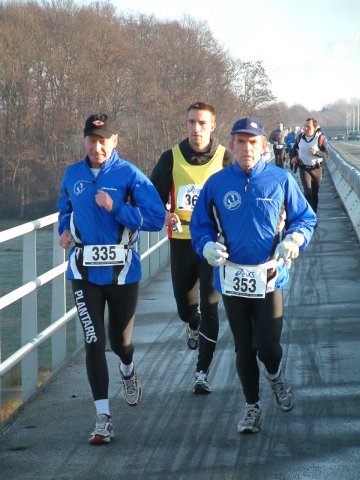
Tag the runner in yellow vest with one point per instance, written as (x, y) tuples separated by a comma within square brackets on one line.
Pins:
[(188, 181), (178, 177)]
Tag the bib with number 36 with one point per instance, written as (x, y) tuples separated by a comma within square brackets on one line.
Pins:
[(187, 197)]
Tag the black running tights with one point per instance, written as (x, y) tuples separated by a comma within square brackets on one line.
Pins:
[(311, 180), (256, 325), (192, 279), (90, 300)]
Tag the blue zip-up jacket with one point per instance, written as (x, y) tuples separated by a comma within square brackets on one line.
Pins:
[(290, 140), (252, 212), (137, 206)]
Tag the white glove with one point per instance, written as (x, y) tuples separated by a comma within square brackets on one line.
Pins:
[(288, 249), (215, 253)]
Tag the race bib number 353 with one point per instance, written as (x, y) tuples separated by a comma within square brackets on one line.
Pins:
[(243, 280), (100, 255)]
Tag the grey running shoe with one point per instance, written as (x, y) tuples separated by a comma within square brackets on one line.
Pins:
[(251, 421), (201, 385), (282, 393), (192, 338), (131, 388), (103, 431)]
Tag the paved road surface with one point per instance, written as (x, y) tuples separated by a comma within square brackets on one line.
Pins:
[(350, 151), (175, 435)]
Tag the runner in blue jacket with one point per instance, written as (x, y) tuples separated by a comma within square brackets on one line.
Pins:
[(104, 203), (251, 220), (135, 207)]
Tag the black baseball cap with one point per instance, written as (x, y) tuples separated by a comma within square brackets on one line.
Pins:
[(99, 124)]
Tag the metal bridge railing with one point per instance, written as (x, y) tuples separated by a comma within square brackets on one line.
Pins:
[(63, 335)]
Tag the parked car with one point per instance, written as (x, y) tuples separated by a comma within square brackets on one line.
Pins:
[(354, 136), (339, 136)]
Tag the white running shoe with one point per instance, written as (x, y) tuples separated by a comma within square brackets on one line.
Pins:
[(103, 431), (132, 390), (201, 385), (251, 421), (192, 338)]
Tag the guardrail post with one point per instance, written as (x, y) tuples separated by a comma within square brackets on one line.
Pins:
[(164, 251), (29, 366), (58, 304), (154, 263), (143, 245)]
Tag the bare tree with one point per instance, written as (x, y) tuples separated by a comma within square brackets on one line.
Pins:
[(60, 62)]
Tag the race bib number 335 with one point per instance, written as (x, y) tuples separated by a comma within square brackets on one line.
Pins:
[(100, 255)]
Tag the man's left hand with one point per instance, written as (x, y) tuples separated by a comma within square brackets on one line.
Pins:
[(288, 249)]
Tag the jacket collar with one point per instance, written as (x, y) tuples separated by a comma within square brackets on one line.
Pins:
[(256, 170), (114, 157)]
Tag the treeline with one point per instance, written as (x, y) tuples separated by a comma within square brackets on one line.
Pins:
[(60, 62)]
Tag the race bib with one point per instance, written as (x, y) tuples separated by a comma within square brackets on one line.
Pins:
[(279, 146), (243, 280), (187, 197), (100, 255)]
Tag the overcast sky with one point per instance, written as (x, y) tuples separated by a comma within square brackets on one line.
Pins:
[(310, 49)]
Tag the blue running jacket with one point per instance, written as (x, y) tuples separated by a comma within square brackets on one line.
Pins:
[(137, 206), (252, 213)]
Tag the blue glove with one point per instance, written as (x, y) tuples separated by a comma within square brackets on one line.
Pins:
[(215, 253)]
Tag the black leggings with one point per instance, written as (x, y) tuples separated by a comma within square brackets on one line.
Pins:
[(311, 179), (280, 156), (256, 325), (191, 276), (90, 300)]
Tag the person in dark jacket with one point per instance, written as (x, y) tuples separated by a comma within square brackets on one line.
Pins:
[(289, 145), (277, 139), (104, 202), (179, 176)]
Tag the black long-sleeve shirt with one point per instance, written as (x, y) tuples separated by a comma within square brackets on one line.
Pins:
[(161, 176)]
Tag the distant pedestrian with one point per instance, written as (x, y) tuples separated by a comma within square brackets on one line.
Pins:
[(277, 139), (310, 150), (289, 143)]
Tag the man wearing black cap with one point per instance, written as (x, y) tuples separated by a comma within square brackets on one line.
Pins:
[(104, 203), (250, 221)]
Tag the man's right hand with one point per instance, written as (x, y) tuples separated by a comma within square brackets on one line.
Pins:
[(171, 219), (215, 253), (65, 239)]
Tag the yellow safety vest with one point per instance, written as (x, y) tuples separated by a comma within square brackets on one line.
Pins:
[(188, 180)]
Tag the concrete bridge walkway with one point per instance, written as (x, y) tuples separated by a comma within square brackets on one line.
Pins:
[(175, 435)]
